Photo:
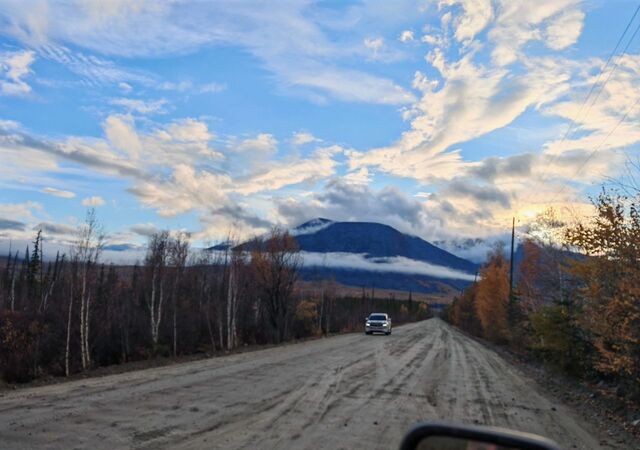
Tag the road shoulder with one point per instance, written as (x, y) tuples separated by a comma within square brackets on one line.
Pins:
[(597, 405)]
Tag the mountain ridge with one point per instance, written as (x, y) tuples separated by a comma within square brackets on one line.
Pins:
[(375, 254)]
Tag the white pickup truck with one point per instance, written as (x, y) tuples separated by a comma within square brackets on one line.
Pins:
[(378, 323)]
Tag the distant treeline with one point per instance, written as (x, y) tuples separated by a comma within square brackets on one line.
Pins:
[(75, 313), (576, 303)]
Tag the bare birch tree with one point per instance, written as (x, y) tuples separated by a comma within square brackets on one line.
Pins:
[(156, 263), (276, 261), (72, 282), (85, 253), (236, 265), (49, 282), (178, 254), (13, 277)]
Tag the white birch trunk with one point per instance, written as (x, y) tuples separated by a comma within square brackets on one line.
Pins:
[(13, 289), (175, 330), (82, 317), (230, 308), (87, 324), (152, 307), (66, 353), (220, 332)]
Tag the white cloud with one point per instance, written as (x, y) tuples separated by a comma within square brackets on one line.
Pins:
[(121, 133), (93, 201), (173, 169), (374, 44), (212, 88), (477, 14), (352, 85), (342, 200), (144, 229), (302, 138), (189, 86), (125, 87), (262, 143), (361, 176), (321, 165), (396, 264), (182, 166), (286, 37), (407, 36), (482, 97), (91, 68), (140, 106), (182, 141), (557, 23), (58, 193), (422, 83), (17, 223), (20, 211), (311, 227), (565, 29), (14, 68), (185, 191)]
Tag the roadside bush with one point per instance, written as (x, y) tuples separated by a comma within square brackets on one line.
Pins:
[(162, 350), (558, 340), (610, 278), (305, 319), (492, 298), (463, 314), (18, 336)]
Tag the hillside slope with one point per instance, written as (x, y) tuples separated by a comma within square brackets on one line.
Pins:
[(373, 255)]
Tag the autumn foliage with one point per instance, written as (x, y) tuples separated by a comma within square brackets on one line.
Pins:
[(610, 289), (76, 313), (576, 303), (492, 298)]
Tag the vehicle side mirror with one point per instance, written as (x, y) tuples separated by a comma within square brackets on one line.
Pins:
[(443, 436)]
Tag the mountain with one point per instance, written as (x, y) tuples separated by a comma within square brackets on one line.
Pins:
[(374, 255), (375, 240)]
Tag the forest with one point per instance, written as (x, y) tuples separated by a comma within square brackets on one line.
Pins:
[(75, 312), (576, 300)]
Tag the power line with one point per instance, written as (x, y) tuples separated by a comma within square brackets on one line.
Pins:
[(599, 146), (593, 86), (614, 68)]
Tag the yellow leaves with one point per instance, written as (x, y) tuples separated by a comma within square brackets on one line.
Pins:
[(306, 318), (306, 311), (492, 299), (611, 283)]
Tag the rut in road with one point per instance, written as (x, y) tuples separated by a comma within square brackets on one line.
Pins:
[(350, 391)]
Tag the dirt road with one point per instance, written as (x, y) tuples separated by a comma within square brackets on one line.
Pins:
[(351, 391)]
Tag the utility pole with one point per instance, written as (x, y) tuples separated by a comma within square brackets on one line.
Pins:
[(513, 234)]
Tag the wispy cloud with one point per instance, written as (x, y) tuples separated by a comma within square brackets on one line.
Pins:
[(472, 69), (396, 264), (283, 35), (302, 138), (407, 36), (58, 193), (14, 68), (93, 69), (93, 201), (140, 106)]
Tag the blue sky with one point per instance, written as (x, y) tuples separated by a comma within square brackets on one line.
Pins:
[(441, 118)]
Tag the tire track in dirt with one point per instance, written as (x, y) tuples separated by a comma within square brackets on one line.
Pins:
[(352, 391)]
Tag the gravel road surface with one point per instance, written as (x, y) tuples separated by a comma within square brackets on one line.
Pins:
[(350, 391)]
